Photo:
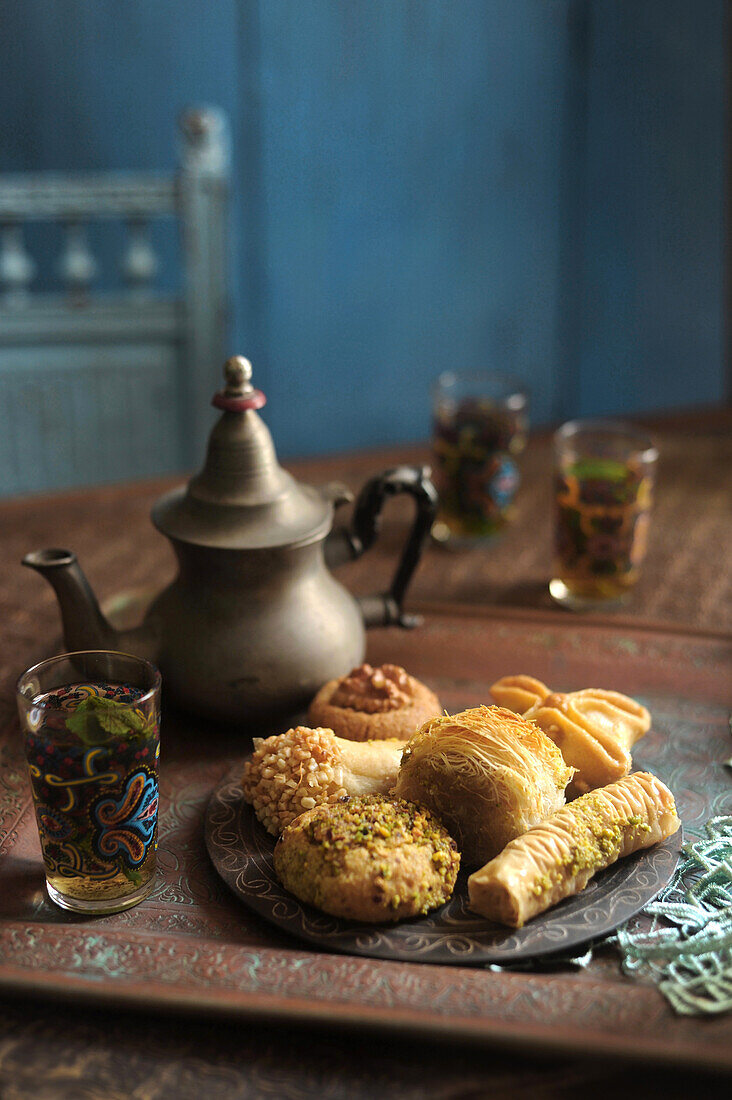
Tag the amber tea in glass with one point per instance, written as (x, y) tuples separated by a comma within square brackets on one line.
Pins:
[(91, 724), (604, 476), (479, 430)]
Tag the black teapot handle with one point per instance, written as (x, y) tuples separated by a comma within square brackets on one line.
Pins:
[(385, 609)]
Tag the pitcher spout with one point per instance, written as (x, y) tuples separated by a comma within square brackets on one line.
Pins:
[(85, 627)]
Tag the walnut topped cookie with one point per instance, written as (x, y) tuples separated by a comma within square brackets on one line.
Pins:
[(368, 859), (371, 704)]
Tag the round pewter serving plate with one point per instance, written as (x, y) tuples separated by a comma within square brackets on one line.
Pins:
[(241, 851)]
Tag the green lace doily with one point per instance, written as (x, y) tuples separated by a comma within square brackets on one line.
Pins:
[(687, 951)]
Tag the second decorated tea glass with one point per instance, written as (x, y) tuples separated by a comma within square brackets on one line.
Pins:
[(480, 422), (91, 727)]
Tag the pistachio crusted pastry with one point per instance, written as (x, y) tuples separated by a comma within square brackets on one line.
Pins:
[(368, 859), (487, 773), (595, 729), (372, 703), (295, 771), (558, 858)]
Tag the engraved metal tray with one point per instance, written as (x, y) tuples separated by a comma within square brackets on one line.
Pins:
[(194, 946), (242, 853)]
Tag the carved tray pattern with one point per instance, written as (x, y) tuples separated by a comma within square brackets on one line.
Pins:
[(193, 946), (241, 851)]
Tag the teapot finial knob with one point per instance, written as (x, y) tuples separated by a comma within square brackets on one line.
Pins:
[(238, 375), (239, 394)]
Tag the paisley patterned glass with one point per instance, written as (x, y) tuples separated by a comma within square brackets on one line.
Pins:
[(604, 476), (480, 422), (91, 724)]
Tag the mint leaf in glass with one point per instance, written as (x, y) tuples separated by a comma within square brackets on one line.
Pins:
[(601, 469), (134, 876), (97, 719)]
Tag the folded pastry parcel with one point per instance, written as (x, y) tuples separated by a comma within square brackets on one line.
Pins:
[(519, 693), (558, 857), (595, 729)]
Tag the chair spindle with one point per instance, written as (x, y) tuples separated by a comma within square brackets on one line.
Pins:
[(77, 266), (17, 267), (139, 264)]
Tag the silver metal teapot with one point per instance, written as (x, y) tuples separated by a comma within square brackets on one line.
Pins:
[(254, 623)]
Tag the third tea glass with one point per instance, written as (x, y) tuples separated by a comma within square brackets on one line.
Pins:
[(604, 475)]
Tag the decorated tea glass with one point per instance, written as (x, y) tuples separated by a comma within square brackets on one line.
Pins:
[(480, 421), (91, 726), (604, 477)]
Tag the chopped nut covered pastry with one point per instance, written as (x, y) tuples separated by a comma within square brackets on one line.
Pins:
[(368, 859), (595, 729), (370, 703), (295, 771), (558, 857), (487, 773)]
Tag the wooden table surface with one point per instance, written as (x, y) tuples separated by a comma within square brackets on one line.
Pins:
[(46, 1052)]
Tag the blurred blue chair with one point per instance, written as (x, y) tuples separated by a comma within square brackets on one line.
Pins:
[(107, 385)]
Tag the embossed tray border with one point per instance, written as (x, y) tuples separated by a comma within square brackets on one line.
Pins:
[(568, 1013), (573, 1012)]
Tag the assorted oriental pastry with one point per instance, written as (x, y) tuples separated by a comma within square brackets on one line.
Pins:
[(558, 858), (373, 703), (375, 817), (487, 773), (368, 859), (594, 729), (298, 770)]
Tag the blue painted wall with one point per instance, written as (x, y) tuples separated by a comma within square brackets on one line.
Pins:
[(652, 318), (535, 186), (411, 183)]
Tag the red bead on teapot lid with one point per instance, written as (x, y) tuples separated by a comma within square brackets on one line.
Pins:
[(239, 393)]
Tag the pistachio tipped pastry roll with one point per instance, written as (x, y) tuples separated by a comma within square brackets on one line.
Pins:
[(293, 772), (558, 858), (487, 774)]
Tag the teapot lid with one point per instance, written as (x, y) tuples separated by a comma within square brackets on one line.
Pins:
[(242, 498)]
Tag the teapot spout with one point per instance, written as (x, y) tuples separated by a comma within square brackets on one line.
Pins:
[(85, 627)]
